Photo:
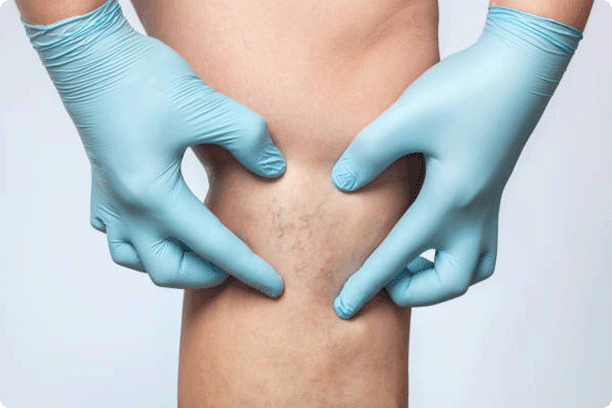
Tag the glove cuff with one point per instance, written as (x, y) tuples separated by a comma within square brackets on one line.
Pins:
[(56, 42), (532, 50), (544, 34)]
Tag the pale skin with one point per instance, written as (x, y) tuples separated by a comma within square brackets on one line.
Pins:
[(318, 72), (572, 12)]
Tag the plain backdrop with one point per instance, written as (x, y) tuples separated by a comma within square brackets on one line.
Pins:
[(76, 330)]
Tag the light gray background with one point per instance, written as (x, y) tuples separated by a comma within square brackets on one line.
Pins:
[(77, 330)]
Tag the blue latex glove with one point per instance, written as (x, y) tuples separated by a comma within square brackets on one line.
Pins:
[(470, 115), (138, 105)]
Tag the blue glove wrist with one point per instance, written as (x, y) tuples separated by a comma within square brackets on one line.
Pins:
[(98, 44), (75, 32), (534, 46), (519, 27)]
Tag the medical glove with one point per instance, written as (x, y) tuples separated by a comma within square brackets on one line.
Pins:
[(470, 115), (137, 106)]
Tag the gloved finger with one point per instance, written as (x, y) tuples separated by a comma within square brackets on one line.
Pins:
[(97, 223), (401, 280), (207, 116), (122, 252), (488, 255), (192, 222), (408, 239), (450, 276), (485, 269), (400, 130), (486, 264), (94, 219), (168, 265)]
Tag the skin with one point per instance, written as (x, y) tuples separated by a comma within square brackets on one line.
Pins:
[(317, 86), (571, 12), (317, 79), (44, 12)]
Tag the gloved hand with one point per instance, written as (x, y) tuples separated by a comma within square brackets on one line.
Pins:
[(138, 106), (470, 115)]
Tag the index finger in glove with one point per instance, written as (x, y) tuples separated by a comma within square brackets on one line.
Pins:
[(407, 240), (191, 222)]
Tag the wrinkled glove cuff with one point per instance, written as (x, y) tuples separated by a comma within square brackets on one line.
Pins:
[(88, 53), (54, 41), (532, 50), (545, 34)]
